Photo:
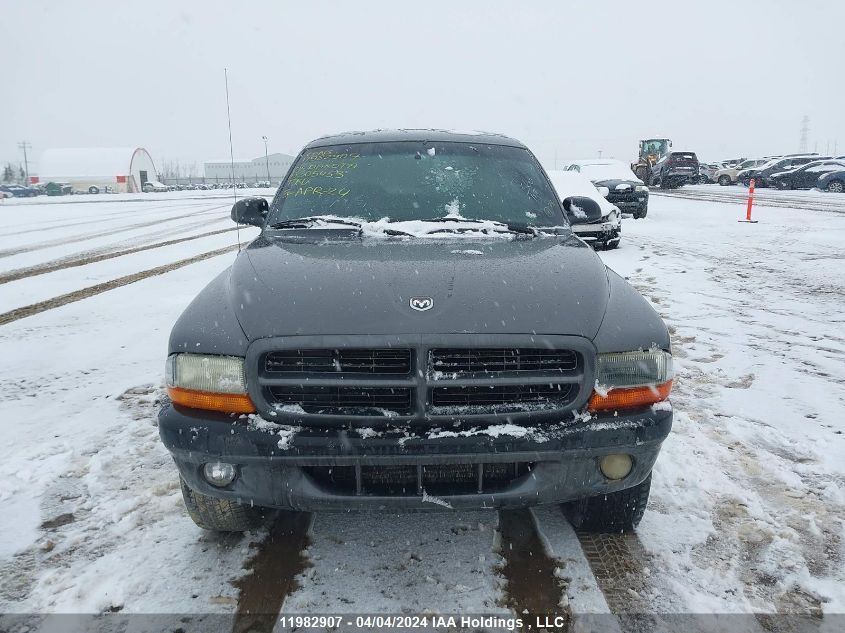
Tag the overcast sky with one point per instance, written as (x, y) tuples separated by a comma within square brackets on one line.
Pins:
[(723, 79)]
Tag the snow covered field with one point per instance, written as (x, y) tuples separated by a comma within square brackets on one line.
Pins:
[(747, 512)]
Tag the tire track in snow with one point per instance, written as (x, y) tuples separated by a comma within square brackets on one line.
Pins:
[(91, 258), (78, 295), (278, 561), (792, 203), (618, 563), (99, 218), (87, 236)]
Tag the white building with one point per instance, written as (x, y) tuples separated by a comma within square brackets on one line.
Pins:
[(248, 170), (92, 169)]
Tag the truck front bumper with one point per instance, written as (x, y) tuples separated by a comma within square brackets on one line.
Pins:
[(598, 232), (339, 470)]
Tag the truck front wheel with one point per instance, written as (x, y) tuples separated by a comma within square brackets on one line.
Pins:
[(221, 515), (611, 513)]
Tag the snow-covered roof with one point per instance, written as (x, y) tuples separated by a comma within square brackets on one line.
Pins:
[(86, 162), (599, 169)]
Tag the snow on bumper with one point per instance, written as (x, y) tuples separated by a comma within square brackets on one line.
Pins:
[(598, 231), (553, 464)]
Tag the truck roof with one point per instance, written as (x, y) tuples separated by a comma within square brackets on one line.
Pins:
[(423, 135)]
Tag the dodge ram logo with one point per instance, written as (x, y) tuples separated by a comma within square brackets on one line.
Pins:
[(421, 304)]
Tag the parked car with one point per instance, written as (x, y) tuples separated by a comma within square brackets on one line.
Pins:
[(624, 189), (806, 176), (776, 165), (444, 336), (707, 173), (58, 189), (674, 170), (728, 175), (833, 181), (154, 186), (606, 231), (20, 191)]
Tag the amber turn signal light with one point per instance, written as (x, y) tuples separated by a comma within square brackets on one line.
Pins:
[(225, 402), (629, 397)]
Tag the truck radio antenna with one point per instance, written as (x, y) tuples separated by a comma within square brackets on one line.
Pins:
[(232, 154)]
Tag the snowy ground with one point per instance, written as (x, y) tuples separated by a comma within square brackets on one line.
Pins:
[(747, 512)]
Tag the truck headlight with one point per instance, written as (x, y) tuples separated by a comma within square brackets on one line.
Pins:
[(627, 380), (640, 188), (214, 383)]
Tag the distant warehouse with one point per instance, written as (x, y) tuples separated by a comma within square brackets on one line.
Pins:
[(92, 169), (249, 169)]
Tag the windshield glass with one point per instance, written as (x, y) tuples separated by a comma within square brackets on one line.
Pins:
[(412, 180)]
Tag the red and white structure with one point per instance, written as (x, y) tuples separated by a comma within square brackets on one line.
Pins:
[(92, 169)]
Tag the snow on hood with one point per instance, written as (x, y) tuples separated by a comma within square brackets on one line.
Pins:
[(456, 229)]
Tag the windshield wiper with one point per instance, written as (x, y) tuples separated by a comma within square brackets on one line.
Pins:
[(308, 222), (513, 227), (527, 229), (454, 218)]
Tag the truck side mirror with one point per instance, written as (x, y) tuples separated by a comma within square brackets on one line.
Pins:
[(250, 211), (581, 210)]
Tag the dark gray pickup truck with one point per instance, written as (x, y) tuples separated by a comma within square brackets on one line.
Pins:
[(417, 327)]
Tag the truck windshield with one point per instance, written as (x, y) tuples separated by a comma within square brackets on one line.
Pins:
[(412, 180)]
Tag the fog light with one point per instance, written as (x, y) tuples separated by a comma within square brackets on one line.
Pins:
[(616, 466), (219, 473)]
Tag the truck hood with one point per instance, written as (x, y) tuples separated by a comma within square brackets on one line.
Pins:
[(302, 286)]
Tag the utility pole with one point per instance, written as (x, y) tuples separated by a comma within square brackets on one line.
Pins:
[(266, 158), (805, 129), (25, 146)]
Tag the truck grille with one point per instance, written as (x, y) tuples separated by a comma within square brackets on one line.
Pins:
[(502, 396), (379, 401), (450, 361), (345, 361), (410, 380)]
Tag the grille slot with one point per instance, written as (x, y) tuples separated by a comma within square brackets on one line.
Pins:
[(447, 362), (502, 397), (332, 361), (371, 401), (410, 480)]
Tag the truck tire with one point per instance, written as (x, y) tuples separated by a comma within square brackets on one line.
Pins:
[(641, 214), (611, 513), (221, 515), (724, 180), (93, 189)]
